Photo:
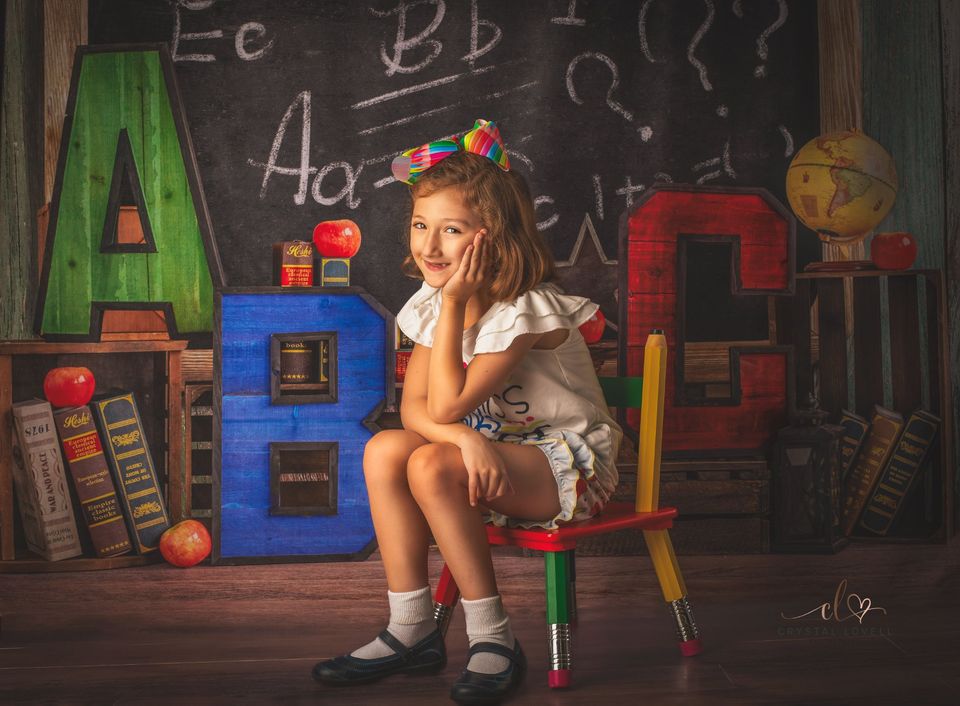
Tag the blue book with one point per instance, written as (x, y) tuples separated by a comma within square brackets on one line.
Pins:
[(139, 490)]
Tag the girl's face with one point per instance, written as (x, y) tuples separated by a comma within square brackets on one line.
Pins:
[(441, 228)]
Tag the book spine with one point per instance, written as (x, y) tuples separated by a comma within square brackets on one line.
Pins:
[(885, 427), (49, 525), (91, 479), (293, 263), (296, 362), (134, 473), (854, 432), (900, 473)]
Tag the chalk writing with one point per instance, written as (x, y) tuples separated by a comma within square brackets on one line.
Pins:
[(475, 24), (692, 47), (642, 28), (244, 42), (403, 43), (727, 167), (571, 17), (763, 48)]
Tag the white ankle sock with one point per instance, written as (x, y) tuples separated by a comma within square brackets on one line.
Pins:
[(487, 621), (411, 620)]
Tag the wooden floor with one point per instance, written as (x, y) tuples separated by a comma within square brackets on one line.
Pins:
[(249, 635)]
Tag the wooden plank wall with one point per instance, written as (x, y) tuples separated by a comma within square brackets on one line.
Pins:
[(950, 43), (64, 28), (903, 101), (21, 179)]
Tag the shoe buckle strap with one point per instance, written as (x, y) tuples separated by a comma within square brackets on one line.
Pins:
[(495, 648), (394, 644)]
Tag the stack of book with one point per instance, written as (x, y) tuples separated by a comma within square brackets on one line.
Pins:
[(97, 453), (882, 460)]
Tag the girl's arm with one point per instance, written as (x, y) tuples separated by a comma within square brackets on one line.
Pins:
[(413, 404), (454, 392), (485, 468)]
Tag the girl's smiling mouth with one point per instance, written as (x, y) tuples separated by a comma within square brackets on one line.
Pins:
[(434, 266)]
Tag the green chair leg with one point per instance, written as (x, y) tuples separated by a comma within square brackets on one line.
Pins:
[(558, 566)]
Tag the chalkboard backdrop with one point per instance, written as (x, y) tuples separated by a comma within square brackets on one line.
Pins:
[(297, 108)]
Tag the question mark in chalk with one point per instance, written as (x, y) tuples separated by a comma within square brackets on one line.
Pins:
[(763, 50), (646, 132), (722, 110)]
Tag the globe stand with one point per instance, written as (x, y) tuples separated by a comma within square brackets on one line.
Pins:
[(840, 266), (843, 245)]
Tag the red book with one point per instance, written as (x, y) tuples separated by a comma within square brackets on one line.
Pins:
[(83, 454)]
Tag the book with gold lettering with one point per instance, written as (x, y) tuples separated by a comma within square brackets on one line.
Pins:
[(854, 433), (900, 473), (128, 456), (46, 511), (83, 454), (885, 426)]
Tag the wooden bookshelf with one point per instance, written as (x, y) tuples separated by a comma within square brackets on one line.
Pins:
[(152, 369)]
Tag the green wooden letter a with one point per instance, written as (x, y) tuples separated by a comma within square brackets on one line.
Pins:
[(125, 138)]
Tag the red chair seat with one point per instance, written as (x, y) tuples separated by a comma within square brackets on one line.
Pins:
[(615, 516)]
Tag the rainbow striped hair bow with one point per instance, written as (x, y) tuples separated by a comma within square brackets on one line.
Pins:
[(484, 139)]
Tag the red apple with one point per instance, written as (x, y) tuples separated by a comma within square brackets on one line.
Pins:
[(893, 251), (185, 544), (337, 238), (69, 387), (592, 328)]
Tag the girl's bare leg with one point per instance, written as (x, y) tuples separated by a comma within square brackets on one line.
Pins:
[(438, 481), (402, 532)]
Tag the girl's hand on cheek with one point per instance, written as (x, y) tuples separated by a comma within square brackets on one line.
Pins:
[(472, 271)]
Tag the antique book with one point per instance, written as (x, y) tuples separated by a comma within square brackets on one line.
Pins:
[(134, 473), (885, 426), (92, 481), (46, 511), (854, 432), (293, 264), (900, 473)]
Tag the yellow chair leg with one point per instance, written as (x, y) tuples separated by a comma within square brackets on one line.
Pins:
[(674, 590)]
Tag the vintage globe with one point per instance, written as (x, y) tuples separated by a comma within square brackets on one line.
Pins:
[(842, 185)]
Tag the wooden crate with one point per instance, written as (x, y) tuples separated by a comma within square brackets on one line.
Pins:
[(880, 337), (150, 368)]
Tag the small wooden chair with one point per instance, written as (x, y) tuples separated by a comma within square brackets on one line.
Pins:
[(558, 545)]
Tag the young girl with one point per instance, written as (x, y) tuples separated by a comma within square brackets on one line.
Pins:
[(521, 435)]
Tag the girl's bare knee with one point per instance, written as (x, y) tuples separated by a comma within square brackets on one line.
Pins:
[(430, 472), (387, 452)]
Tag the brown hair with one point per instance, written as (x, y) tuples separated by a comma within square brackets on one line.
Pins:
[(520, 257)]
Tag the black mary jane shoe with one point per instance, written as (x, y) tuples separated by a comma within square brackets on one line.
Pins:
[(477, 688), (428, 656)]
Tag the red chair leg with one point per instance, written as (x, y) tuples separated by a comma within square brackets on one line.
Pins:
[(445, 600)]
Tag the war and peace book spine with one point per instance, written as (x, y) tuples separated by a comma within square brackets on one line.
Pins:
[(46, 511)]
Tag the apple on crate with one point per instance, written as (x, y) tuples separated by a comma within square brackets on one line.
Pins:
[(69, 386), (340, 238), (185, 544), (893, 250)]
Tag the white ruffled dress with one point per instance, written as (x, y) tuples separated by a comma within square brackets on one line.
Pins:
[(552, 399)]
